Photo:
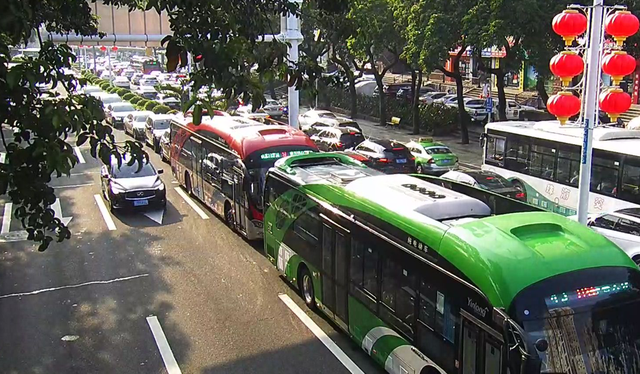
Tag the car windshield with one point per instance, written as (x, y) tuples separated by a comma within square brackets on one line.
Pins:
[(351, 139), (490, 181), (475, 103), (438, 150), (126, 171), (589, 318), (123, 108), (161, 124)]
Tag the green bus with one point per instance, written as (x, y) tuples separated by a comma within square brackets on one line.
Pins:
[(431, 277)]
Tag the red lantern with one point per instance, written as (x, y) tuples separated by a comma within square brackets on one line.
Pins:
[(569, 24), (114, 48), (617, 65), (614, 102), (563, 105), (566, 65), (103, 49), (621, 25)]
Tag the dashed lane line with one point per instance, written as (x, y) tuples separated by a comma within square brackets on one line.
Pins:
[(163, 346), (3, 157), (105, 213), (191, 203), (6, 218), (108, 281), (79, 155), (321, 335)]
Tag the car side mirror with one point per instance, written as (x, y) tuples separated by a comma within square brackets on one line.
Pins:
[(160, 171)]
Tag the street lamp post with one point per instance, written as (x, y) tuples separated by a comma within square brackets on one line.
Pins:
[(570, 24)]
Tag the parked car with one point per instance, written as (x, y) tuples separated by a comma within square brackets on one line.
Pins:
[(314, 116), (246, 111), (432, 157), (135, 78), (487, 180), (107, 98), (89, 89), (405, 92), (135, 124), (169, 101), (448, 99), (392, 89), (388, 156), (157, 124), (148, 81), (273, 108), (621, 227), (121, 82), (366, 88), (165, 146), (128, 73), (337, 138), (131, 186), (117, 112), (106, 74), (430, 97), (477, 109), (513, 110)]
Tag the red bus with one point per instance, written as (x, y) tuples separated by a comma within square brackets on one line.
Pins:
[(224, 160)]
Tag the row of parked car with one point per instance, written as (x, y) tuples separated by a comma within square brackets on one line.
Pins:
[(333, 133)]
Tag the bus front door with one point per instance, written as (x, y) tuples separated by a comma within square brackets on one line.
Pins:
[(196, 166), (336, 242), (239, 200), (482, 348)]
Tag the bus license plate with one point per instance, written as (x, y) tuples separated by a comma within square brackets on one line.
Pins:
[(401, 160), (140, 202)]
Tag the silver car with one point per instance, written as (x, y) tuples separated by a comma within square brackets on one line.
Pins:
[(621, 227), (135, 122), (156, 126)]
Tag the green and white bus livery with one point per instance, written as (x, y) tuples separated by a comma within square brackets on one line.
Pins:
[(434, 277)]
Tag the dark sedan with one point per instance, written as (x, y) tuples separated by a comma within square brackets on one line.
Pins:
[(388, 156), (487, 180), (127, 187)]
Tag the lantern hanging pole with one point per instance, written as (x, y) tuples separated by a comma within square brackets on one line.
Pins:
[(591, 91)]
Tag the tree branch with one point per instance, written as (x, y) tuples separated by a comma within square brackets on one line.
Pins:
[(395, 61)]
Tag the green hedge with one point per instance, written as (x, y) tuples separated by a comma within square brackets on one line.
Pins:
[(172, 111), (436, 119), (135, 99), (122, 91), (128, 96), (104, 85), (150, 105), (161, 109)]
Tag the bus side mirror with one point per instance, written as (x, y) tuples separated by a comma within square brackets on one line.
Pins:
[(522, 355)]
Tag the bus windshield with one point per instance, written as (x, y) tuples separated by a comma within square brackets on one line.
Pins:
[(588, 318), (259, 162)]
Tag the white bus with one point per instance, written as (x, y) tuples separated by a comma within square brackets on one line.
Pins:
[(543, 160)]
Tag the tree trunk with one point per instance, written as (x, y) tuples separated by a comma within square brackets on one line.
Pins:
[(463, 115), (353, 96), (272, 90), (502, 98), (542, 90), (381, 97), (415, 108)]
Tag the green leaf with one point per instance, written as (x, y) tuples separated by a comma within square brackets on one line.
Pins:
[(197, 114), (165, 40)]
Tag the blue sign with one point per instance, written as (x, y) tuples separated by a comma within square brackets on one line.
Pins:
[(489, 104), (585, 141)]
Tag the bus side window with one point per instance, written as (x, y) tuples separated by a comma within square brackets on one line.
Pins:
[(273, 189), (364, 273), (630, 189), (605, 170), (495, 150), (398, 295)]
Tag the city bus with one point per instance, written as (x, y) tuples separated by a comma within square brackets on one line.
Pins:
[(223, 162), (543, 160), (145, 64), (430, 276)]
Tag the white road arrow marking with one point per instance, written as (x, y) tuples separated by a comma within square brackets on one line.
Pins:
[(57, 210), (78, 153), (6, 235), (3, 157), (155, 215), (6, 218)]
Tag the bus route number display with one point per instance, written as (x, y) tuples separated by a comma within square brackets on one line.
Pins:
[(277, 155)]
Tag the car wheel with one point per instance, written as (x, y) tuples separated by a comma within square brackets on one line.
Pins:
[(187, 183), (419, 169), (305, 284), (228, 216), (156, 146)]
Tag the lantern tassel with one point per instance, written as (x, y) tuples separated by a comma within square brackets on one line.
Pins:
[(614, 117), (568, 40), (562, 120), (620, 40)]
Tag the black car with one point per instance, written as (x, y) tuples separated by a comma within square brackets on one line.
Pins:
[(128, 187), (487, 180), (336, 138), (388, 156), (405, 92)]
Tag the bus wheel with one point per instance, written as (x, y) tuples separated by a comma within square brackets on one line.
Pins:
[(305, 283), (187, 183), (228, 215)]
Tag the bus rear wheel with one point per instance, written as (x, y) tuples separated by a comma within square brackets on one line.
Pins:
[(305, 284)]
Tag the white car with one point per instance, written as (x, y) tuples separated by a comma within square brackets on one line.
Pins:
[(156, 126), (117, 112), (246, 111), (314, 116), (106, 74), (135, 123), (448, 99), (149, 81), (476, 108), (128, 73), (273, 108), (430, 97), (621, 227), (513, 110), (366, 88), (89, 89), (121, 82), (147, 92), (107, 98)]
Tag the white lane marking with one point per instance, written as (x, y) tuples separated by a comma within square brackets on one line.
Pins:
[(105, 213), (154, 215), (321, 335), (74, 185), (6, 218), (163, 346), (57, 210), (79, 155), (469, 166), (73, 286), (191, 203), (3, 157)]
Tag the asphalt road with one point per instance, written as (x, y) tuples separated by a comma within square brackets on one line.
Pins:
[(128, 300)]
